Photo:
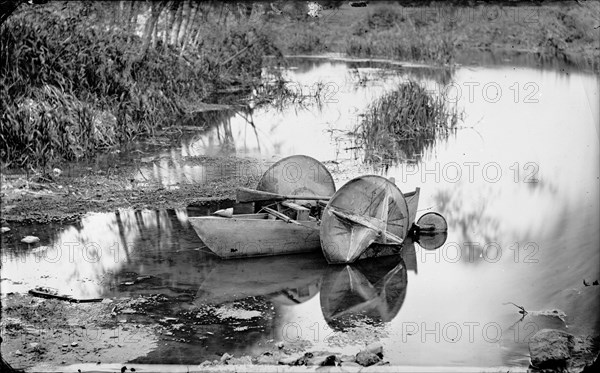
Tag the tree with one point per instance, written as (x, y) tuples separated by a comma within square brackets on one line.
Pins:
[(155, 9)]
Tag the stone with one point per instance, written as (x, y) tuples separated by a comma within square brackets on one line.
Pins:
[(244, 360), (290, 360), (34, 345), (366, 358), (30, 239), (321, 359), (266, 360), (5, 229), (550, 349), (225, 357), (74, 344), (374, 348), (18, 353)]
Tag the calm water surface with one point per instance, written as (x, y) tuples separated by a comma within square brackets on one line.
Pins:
[(518, 182)]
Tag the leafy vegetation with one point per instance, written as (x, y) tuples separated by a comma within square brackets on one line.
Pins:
[(404, 122), (79, 77)]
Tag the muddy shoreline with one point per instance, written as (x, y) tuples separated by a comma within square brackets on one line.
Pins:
[(67, 198)]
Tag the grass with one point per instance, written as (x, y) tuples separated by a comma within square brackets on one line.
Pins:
[(403, 123), (70, 87), (438, 33)]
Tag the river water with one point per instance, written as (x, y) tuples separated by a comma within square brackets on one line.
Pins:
[(518, 182)]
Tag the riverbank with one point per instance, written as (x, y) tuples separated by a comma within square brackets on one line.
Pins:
[(48, 198), (438, 33)]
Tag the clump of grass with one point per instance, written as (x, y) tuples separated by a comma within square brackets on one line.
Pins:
[(401, 124)]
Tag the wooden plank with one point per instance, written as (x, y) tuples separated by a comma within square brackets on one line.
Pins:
[(301, 212), (279, 215)]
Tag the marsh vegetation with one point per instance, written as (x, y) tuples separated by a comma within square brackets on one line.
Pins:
[(402, 123)]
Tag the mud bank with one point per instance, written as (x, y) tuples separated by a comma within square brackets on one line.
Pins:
[(60, 198)]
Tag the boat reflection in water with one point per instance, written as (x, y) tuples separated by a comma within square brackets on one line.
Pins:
[(372, 289), (286, 279)]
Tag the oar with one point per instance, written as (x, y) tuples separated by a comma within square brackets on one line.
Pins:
[(252, 195)]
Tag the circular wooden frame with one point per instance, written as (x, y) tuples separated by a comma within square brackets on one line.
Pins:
[(297, 175), (360, 213)]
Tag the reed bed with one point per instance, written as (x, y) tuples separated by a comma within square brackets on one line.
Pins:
[(403, 123)]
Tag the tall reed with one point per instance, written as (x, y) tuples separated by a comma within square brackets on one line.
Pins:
[(401, 124)]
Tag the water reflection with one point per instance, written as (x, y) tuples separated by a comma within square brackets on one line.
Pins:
[(154, 259), (373, 289), (345, 89), (283, 279)]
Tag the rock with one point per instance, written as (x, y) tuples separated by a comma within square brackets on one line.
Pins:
[(65, 345), (225, 357), (320, 359), (375, 348), (366, 358), (74, 344), (244, 360), (5, 229), (330, 360), (550, 349), (34, 345), (266, 360), (290, 360), (205, 363), (280, 345), (18, 353), (351, 364), (30, 239)]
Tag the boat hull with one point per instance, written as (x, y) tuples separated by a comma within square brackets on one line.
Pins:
[(255, 235)]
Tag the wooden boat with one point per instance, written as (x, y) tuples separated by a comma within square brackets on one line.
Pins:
[(250, 235), (266, 234), (300, 211), (281, 228)]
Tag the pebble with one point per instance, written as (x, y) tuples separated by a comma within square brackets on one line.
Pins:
[(5, 229), (18, 353), (375, 348), (33, 345), (30, 239), (74, 344), (366, 358)]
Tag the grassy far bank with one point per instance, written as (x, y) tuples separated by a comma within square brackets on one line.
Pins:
[(438, 32)]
